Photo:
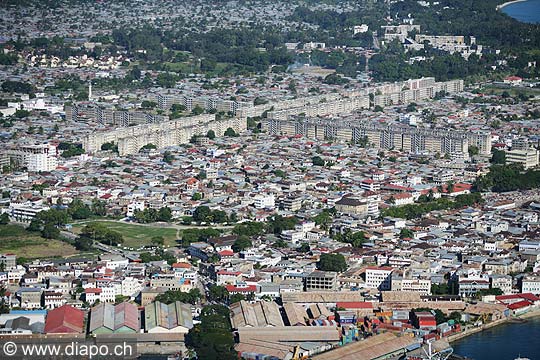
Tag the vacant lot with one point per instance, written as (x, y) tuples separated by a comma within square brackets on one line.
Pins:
[(16, 240), (135, 235)]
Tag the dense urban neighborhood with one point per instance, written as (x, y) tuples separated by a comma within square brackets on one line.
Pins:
[(267, 180)]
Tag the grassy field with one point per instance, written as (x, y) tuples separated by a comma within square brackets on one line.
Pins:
[(16, 240), (513, 91), (135, 235)]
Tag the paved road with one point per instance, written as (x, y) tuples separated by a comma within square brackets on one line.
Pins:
[(158, 224)]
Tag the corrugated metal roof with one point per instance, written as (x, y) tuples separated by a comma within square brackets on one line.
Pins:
[(114, 317), (169, 316)]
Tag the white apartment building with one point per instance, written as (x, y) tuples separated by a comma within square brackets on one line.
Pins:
[(39, 157), (528, 158), (136, 205), (503, 282), (531, 284), (114, 261), (25, 211), (379, 278), (264, 201), (422, 286), (131, 286)]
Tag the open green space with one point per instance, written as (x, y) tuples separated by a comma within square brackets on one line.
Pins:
[(134, 235), (16, 240), (513, 91)]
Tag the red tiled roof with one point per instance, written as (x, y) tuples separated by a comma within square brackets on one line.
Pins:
[(233, 288), (181, 265), (65, 319), (355, 305), (225, 272), (92, 291), (519, 305)]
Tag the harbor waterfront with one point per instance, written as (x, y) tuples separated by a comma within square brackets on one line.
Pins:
[(508, 339), (527, 11)]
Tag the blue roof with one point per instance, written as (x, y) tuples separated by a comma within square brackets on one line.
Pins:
[(28, 312)]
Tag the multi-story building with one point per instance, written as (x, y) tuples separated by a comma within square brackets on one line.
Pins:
[(30, 298), (379, 278), (531, 284), (528, 158), (171, 282), (399, 136), (421, 286), (37, 158), (321, 281), (470, 287), (264, 201), (169, 133), (503, 282), (8, 261), (25, 211), (292, 203), (349, 205)]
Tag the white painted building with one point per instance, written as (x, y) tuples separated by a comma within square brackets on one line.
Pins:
[(379, 278), (39, 157)]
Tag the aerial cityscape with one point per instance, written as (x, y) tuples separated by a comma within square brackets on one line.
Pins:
[(248, 179)]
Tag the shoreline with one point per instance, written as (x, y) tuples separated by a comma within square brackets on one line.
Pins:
[(499, 7), (471, 331)]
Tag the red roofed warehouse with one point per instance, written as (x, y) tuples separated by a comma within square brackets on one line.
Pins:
[(64, 320)]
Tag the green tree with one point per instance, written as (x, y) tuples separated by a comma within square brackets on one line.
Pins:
[(212, 338), (473, 150), (211, 134), (35, 225), (50, 231), (171, 296), (304, 248), (4, 219), (202, 214), (99, 207), (406, 233), (241, 243), (498, 157), (234, 298), (197, 110), (332, 262), (168, 157), (252, 228), (79, 210), (317, 161), (217, 293), (164, 214), (230, 132), (279, 244), (158, 240), (439, 289)]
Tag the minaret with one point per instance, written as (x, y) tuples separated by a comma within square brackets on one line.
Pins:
[(89, 90)]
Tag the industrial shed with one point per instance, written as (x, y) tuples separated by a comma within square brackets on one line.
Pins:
[(260, 314), (107, 318), (172, 318)]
